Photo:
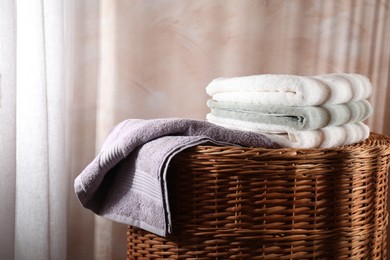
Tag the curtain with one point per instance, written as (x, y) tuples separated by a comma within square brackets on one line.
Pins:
[(70, 70), (33, 123), (7, 127)]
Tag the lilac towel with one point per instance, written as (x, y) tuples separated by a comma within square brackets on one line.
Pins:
[(126, 182)]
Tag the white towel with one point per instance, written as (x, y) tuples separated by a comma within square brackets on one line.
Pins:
[(328, 137), (291, 90)]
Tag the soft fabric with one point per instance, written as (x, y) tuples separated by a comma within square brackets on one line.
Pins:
[(126, 182), (287, 118), (327, 137), (291, 90)]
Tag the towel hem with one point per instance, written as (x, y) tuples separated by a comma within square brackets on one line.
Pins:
[(136, 223)]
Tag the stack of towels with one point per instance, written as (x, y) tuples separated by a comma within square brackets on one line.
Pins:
[(295, 111)]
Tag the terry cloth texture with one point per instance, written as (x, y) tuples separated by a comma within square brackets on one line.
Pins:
[(126, 182), (291, 90), (288, 118)]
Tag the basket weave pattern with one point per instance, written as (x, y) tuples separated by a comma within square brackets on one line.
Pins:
[(254, 203)]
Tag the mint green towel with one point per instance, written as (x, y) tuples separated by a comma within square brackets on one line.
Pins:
[(293, 117)]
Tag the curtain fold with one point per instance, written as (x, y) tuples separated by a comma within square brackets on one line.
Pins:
[(41, 174), (82, 37), (56, 105), (32, 160), (7, 128)]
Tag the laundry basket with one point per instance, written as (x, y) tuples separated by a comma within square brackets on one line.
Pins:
[(256, 203)]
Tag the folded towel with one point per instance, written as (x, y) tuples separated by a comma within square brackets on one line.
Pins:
[(291, 90), (126, 182), (328, 137), (288, 118)]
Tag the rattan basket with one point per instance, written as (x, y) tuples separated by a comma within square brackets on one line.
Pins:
[(255, 203)]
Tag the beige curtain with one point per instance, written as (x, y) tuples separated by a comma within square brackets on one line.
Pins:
[(70, 70)]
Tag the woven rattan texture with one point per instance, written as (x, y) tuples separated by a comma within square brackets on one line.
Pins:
[(255, 203)]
